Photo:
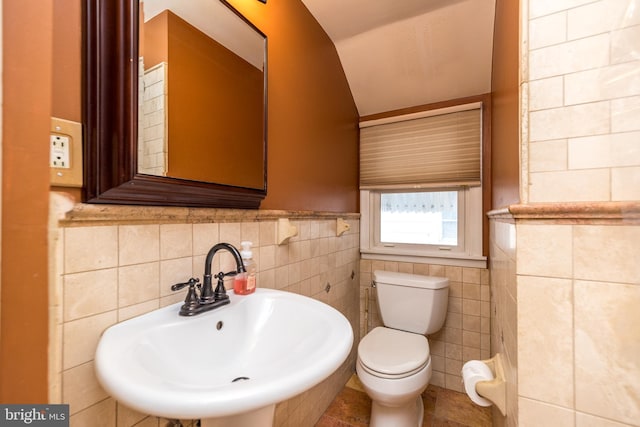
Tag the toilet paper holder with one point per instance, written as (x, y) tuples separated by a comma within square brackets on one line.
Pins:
[(496, 389)]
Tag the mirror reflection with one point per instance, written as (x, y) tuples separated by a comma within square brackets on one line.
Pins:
[(201, 93)]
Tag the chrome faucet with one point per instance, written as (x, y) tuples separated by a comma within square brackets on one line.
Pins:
[(208, 299)]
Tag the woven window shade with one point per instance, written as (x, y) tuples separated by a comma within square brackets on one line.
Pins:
[(436, 150)]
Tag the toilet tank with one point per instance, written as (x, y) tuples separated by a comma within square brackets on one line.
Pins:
[(412, 302)]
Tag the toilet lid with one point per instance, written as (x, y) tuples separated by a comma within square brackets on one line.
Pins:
[(393, 352)]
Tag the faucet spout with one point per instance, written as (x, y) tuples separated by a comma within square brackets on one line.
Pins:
[(229, 247), (207, 294)]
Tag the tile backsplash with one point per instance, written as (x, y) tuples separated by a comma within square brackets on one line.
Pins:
[(109, 270)]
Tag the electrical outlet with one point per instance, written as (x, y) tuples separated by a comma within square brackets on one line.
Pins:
[(60, 151), (65, 143)]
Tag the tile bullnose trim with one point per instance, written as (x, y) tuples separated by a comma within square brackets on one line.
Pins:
[(502, 214), (96, 214), (576, 212)]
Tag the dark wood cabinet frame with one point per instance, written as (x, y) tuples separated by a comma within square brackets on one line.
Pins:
[(110, 119)]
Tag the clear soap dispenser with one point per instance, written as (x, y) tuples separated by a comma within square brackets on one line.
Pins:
[(246, 284)]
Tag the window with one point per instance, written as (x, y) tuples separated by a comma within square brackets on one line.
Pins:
[(421, 192), (420, 218), (442, 226)]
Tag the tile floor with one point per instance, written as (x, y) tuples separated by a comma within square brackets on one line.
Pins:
[(442, 408)]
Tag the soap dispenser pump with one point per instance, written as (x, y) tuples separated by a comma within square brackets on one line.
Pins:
[(247, 283)]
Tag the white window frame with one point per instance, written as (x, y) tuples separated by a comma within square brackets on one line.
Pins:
[(468, 253)]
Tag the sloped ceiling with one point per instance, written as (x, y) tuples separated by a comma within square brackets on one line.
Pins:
[(404, 53)]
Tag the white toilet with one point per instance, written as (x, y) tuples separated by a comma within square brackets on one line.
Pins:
[(394, 364)]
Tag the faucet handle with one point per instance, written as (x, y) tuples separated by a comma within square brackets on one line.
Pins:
[(221, 275), (220, 292), (191, 302), (192, 282)]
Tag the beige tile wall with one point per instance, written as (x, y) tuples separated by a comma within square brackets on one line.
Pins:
[(578, 280), (581, 76), (564, 313), (112, 272), (504, 309), (465, 335), (152, 129), (579, 334)]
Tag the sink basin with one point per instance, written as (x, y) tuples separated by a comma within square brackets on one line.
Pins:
[(259, 350)]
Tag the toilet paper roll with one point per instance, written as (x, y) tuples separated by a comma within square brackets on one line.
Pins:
[(473, 372)]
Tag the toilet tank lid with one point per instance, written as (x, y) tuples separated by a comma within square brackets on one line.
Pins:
[(410, 280)]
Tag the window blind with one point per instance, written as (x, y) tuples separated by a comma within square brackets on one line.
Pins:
[(436, 150)]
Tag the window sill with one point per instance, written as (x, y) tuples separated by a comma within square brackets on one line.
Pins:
[(450, 258)]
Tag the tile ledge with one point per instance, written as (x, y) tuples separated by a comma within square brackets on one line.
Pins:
[(94, 214), (576, 212)]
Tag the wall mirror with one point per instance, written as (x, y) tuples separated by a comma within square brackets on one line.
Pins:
[(174, 104)]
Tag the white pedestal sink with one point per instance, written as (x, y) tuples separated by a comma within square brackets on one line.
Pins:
[(227, 367)]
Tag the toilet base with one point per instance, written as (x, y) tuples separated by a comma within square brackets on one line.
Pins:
[(409, 415), (395, 402)]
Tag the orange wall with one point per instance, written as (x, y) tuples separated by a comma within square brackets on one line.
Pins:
[(216, 110), (66, 73), (312, 118), (26, 114), (154, 36), (505, 139)]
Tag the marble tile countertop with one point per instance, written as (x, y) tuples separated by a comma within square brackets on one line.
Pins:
[(93, 214)]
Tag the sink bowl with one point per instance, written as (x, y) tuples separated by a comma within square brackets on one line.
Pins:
[(238, 359)]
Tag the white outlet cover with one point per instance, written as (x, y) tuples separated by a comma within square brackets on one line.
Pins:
[(60, 149)]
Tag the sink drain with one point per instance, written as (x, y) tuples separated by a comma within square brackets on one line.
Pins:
[(240, 379)]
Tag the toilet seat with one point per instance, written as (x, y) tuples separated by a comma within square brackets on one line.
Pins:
[(390, 353)]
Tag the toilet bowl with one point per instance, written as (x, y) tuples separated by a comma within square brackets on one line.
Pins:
[(394, 363), (394, 368)]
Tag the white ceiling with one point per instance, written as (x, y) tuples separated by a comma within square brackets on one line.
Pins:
[(404, 53)]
